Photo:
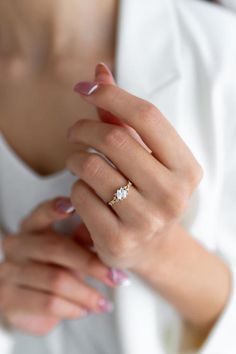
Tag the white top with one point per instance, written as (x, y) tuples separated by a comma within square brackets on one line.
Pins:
[(179, 55)]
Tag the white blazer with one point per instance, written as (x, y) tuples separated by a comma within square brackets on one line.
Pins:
[(181, 56), (231, 4)]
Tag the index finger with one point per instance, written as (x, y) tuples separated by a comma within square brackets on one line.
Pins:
[(155, 130)]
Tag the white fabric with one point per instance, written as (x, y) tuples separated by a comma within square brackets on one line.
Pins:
[(181, 56), (231, 4)]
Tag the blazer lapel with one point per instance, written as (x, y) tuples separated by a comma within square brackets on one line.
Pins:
[(147, 53)]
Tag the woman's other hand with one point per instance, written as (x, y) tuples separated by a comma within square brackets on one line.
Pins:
[(42, 277)]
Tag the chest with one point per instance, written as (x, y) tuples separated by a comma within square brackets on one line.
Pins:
[(35, 114)]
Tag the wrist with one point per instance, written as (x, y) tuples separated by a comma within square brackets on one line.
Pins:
[(157, 258)]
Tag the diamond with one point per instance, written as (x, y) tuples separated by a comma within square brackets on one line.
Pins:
[(121, 193)]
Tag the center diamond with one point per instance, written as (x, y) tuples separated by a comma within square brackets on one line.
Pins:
[(121, 193)]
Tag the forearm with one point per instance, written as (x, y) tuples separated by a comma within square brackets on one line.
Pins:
[(195, 281)]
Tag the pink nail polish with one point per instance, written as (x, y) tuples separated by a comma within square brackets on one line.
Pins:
[(118, 277), (64, 206), (86, 88), (105, 305)]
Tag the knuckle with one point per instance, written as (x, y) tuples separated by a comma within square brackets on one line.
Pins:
[(147, 111), (91, 165), (192, 176), (195, 176), (50, 304), (116, 136), (58, 280), (175, 200)]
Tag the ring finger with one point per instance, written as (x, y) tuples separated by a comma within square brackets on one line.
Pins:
[(105, 180)]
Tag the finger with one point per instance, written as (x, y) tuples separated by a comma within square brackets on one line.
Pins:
[(57, 250), (20, 300), (128, 156), (103, 226), (154, 129), (57, 281), (32, 324), (104, 75), (46, 213), (105, 181)]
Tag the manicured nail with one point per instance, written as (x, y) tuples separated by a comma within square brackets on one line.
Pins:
[(105, 305), (64, 206), (86, 88), (118, 277)]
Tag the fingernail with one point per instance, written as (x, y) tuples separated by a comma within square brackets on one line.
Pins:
[(105, 305), (86, 88), (64, 206), (118, 277), (102, 70)]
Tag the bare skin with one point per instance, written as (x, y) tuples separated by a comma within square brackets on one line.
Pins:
[(44, 281), (47, 83)]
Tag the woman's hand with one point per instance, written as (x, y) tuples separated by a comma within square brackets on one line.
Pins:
[(42, 277), (163, 181)]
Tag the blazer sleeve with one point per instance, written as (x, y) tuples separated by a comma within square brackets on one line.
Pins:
[(222, 337)]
